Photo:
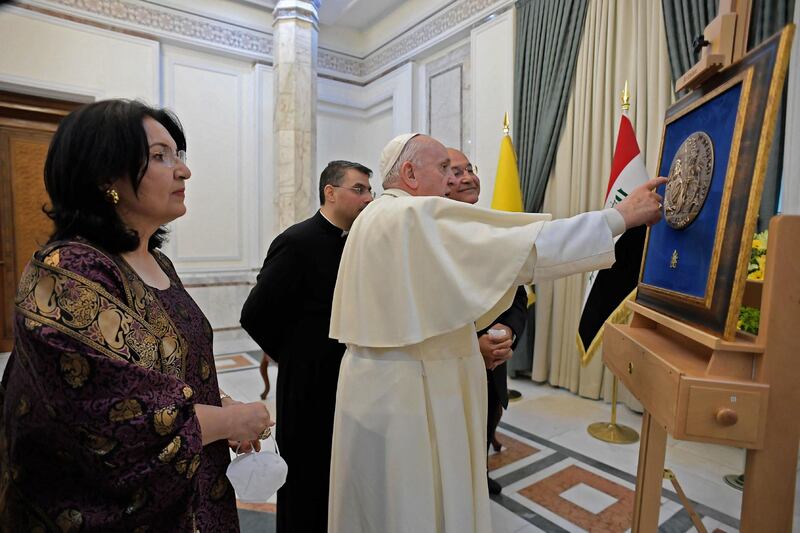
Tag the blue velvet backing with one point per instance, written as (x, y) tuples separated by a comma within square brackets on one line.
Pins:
[(695, 243)]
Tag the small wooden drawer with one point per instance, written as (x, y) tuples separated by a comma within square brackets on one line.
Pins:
[(650, 378), (723, 412)]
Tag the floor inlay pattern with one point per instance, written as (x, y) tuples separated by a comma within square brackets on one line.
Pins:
[(556, 489)]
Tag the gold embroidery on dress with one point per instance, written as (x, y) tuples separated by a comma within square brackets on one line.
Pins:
[(125, 410), (53, 258), (205, 370), (98, 444), (219, 488), (180, 466), (193, 466), (168, 453), (80, 303), (140, 332), (74, 368), (137, 501), (164, 419), (69, 521), (23, 407), (187, 392)]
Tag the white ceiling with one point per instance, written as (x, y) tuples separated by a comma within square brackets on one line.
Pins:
[(355, 14)]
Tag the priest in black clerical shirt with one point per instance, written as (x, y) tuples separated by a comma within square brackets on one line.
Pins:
[(288, 314)]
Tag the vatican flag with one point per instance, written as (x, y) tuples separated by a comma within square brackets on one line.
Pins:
[(507, 192)]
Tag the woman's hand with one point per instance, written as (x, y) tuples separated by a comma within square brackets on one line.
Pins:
[(236, 445), (236, 421), (247, 420)]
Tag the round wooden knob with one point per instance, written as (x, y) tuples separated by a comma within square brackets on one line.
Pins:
[(726, 416)]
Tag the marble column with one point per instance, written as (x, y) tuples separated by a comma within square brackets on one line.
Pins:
[(296, 26)]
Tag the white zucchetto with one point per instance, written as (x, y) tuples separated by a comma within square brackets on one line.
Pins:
[(391, 152)]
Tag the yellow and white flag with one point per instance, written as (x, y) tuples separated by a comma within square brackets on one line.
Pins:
[(507, 192)]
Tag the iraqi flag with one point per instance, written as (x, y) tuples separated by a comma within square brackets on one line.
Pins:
[(608, 289)]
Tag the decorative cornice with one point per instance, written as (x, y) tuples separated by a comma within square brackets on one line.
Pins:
[(166, 23), (297, 9), (460, 16), (175, 25)]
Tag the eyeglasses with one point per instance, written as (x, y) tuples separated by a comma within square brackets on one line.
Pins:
[(358, 189), (470, 169), (165, 155)]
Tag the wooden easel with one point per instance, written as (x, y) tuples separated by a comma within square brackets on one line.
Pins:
[(744, 392), (725, 43)]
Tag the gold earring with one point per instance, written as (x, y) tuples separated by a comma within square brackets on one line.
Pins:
[(112, 196)]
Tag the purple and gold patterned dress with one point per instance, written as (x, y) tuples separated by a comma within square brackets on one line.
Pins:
[(97, 423)]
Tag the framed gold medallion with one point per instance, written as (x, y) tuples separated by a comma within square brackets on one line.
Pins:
[(714, 151)]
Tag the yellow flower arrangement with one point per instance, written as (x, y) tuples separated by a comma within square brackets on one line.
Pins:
[(750, 317)]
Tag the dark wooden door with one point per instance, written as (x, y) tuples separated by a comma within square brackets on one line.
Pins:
[(27, 124)]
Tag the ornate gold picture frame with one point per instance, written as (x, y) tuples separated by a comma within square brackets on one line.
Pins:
[(714, 148)]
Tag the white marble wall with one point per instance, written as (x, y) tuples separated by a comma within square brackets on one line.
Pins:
[(449, 98), (355, 123), (48, 56), (492, 46)]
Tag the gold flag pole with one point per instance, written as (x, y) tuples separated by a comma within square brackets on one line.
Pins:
[(611, 431), (513, 394)]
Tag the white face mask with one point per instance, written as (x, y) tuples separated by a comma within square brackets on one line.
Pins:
[(256, 476)]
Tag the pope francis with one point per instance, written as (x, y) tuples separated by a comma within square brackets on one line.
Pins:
[(418, 275)]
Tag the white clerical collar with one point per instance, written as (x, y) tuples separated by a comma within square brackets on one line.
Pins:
[(344, 231), (396, 193)]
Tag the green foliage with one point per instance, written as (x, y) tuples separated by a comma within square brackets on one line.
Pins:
[(749, 318)]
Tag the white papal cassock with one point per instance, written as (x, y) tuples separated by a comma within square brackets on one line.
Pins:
[(416, 277)]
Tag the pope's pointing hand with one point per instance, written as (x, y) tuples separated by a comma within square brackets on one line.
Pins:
[(643, 205)]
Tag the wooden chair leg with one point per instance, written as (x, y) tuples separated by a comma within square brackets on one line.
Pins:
[(265, 376)]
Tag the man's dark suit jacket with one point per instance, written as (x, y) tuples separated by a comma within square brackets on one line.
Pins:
[(515, 318), (288, 313)]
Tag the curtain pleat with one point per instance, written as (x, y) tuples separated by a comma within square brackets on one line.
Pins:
[(622, 40), (548, 37)]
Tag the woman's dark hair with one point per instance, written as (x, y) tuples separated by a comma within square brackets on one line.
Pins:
[(92, 147)]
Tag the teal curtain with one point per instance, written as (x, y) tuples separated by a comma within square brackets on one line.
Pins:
[(547, 42), (683, 21)]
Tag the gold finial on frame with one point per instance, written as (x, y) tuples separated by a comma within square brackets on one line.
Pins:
[(626, 97), (506, 127)]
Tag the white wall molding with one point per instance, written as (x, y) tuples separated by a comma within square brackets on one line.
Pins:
[(167, 24), (202, 31), (47, 89), (228, 159), (55, 63)]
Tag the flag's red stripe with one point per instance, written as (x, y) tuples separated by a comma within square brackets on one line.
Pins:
[(627, 148)]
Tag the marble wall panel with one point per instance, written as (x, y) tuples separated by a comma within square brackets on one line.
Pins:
[(448, 98), (445, 106)]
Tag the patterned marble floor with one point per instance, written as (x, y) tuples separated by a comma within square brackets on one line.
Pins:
[(555, 477)]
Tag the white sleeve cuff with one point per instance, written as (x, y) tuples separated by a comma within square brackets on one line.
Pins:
[(615, 221)]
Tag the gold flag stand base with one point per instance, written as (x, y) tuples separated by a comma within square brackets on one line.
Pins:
[(611, 431), (735, 480)]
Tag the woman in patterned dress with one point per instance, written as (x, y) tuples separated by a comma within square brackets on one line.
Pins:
[(111, 418)]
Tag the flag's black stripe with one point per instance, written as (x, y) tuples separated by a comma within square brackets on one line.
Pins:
[(613, 284)]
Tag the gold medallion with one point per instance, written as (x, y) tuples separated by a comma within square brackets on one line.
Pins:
[(689, 180)]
